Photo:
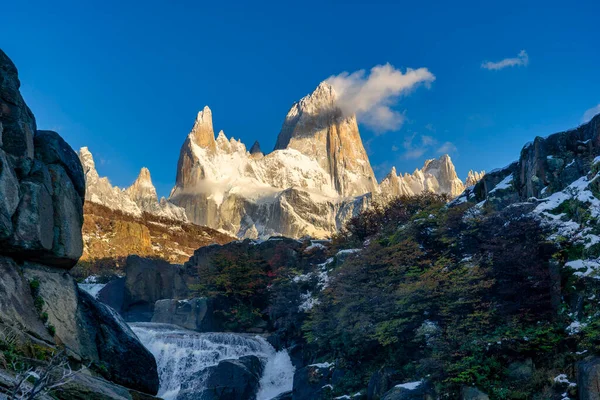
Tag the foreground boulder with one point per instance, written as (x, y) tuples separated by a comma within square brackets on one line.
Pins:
[(230, 379), (313, 382), (41, 214), (126, 361), (194, 314), (148, 280)]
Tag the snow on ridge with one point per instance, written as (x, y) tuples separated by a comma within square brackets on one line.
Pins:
[(409, 385)]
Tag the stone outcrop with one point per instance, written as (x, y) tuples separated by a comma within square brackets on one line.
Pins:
[(42, 192), (230, 379), (146, 281), (194, 314), (545, 166)]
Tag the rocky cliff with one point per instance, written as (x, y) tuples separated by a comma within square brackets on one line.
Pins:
[(317, 177), (42, 190), (437, 176), (140, 197)]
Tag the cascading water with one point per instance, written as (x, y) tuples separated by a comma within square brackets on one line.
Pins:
[(181, 354)]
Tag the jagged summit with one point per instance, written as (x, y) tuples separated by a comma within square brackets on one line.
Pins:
[(202, 133), (473, 177), (318, 176), (316, 127), (255, 150), (437, 175), (138, 198)]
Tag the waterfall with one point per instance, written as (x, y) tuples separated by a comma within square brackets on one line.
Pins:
[(180, 354)]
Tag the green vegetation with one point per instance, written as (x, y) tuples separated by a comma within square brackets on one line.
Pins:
[(454, 294)]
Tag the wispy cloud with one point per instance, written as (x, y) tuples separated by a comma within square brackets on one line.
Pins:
[(521, 60), (371, 97), (415, 146), (589, 114), (446, 148)]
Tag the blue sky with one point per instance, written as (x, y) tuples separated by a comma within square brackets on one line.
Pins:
[(127, 78)]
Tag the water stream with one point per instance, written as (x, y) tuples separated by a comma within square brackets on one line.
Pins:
[(180, 354)]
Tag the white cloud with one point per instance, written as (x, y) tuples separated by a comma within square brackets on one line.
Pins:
[(416, 148), (521, 60), (371, 97), (589, 114), (447, 148)]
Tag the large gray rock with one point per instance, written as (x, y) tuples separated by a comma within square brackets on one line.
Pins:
[(230, 379), (16, 302), (312, 383), (588, 379), (50, 148), (194, 314), (9, 195), (18, 123), (149, 280), (119, 352), (58, 289), (68, 220), (34, 221)]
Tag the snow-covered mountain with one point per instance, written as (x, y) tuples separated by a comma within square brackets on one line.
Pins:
[(138, 198), (317, 177), (437, 175)]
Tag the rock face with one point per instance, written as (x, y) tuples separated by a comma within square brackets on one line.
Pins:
[(109, 236), (317, 177), (588, 379), (42, 192), (312, 382), (230, 379), (147, 281), (437, 176), (545, 166), (193, 314), (140, 197), (316, 127)]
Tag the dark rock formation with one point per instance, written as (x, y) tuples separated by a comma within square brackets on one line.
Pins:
[(588, 379), (230, 379), (41, 214), (545, 166), (126, 360), (312, 382), (194, 314), (148, 280)]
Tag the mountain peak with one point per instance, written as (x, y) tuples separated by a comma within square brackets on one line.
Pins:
[(202, 133), (144, 176), (255, 149)]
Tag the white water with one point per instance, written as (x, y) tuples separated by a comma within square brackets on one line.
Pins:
[(180, 354)]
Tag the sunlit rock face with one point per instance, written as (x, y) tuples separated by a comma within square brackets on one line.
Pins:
[(138, 198), (317, 177)]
